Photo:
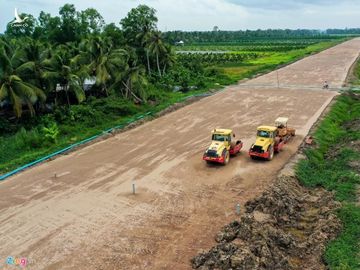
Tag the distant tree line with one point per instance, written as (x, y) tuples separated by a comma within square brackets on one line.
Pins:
[(240, 36), (347, 31)]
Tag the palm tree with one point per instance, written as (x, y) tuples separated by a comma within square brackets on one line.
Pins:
[(132, 81), (135, 83), (101, 59), (61, 71), (32, 57), (168, 58), (157, 47), (146, 41), (12, 87)]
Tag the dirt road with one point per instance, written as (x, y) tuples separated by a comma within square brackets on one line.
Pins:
[(87, 218)]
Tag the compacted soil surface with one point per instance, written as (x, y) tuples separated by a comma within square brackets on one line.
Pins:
[(78, 211), (287, 227)]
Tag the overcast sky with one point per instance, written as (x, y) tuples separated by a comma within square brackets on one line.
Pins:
[(205, 14)]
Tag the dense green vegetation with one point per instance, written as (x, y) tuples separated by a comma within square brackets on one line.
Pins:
[(264, 62), (347, 31), (68, 77), (257, 45), (334, 165), (355, 79), (250, 55), (243, 37)]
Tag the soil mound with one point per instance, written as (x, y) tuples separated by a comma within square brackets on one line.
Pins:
[(287, 227)]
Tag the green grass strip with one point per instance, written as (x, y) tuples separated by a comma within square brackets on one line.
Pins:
[(328, 165)]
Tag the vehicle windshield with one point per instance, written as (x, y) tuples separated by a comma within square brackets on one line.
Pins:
[(220, 138), (263, 133)]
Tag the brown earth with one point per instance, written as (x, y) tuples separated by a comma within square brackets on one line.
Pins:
[(86, 216), (287, 227)]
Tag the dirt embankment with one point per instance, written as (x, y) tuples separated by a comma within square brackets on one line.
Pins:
[(287, 227)]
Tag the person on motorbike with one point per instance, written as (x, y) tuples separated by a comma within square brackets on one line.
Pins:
[(326, 85)]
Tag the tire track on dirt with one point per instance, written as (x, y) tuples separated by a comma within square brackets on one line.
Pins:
[(88, 218)]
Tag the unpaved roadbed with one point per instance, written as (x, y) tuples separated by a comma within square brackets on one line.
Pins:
[(88, 218)]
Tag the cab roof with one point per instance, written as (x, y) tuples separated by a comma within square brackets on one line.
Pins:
[(267, 128), (281, 121), (222, 131)]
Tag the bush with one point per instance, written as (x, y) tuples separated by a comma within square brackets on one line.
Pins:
[(24, 139), (5, 126), (51, 132), (62, 114), (114, 105), (213, 72), (156, 94)]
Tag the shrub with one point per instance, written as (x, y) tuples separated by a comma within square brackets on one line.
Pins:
[(5, 126), (114, 105), (24, 139), (51, 132)]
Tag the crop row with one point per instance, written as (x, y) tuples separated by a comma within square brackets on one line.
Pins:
[(216, 58), (251, 48)]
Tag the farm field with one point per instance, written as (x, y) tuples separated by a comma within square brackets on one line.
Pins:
[(247, 57), (87, 218), (261, 44)]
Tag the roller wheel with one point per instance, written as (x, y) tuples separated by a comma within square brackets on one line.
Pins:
[(226, 157), (271, 153)]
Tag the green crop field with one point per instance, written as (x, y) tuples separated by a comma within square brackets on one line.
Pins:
[(258, 45), (239, 61)]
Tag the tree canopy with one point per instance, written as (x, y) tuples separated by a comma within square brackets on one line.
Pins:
[(57, 61), (62, 59)]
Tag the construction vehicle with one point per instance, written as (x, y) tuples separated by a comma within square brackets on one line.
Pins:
[(222, 146), (271, 139)]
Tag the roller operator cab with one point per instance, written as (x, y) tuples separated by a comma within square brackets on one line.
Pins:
[(265, 143), (271, 139), (223, 144)]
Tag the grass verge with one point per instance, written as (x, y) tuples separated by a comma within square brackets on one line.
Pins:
[(334, 164)]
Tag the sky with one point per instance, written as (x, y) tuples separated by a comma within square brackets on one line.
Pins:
[(190, 15)]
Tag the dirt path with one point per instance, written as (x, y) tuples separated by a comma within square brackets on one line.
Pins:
[(87, 218)]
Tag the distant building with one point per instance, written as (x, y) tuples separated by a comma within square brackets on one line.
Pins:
[(89, 83), (61, 87), (179, 43)]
